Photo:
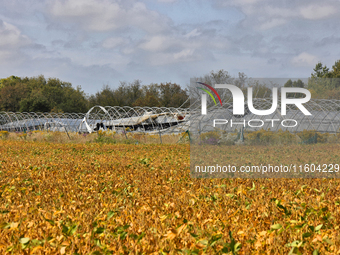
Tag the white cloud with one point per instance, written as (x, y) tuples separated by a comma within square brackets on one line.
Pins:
[(167, 1), (272, 23), (105, 15), (12, 41), (11, 37), (186, 54), (316, 11), (114, 42), (166, 43), (244, 3), (267, 14), (193, 33), (157, 43), (181, 47), (305, 59)]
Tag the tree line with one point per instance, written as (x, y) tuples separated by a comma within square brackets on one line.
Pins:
[(38, 94), (134, 94)]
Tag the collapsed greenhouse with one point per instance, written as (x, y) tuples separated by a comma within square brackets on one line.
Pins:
[(136, 119), (324, 118)]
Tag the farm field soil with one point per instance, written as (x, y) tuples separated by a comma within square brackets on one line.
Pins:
[(140, 199)]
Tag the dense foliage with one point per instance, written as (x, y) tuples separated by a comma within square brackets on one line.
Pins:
[(325, 83), (36, 94), (134, 94)]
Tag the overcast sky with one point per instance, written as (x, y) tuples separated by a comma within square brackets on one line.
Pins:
[(96, 42)]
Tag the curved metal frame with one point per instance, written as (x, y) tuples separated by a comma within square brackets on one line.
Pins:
[(325, 118)]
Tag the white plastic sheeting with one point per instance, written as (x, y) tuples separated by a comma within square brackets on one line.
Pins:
[(142, 119), (325, 118)]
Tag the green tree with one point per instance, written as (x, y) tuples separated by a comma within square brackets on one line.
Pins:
[(320, 71), (36, 94), (295, 84), (172, 95), (105, 97), (149, 96), (134, 94), (10, 81), (325, 83), (11, 95), (336, 70), (74, 100), (36, 102)]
